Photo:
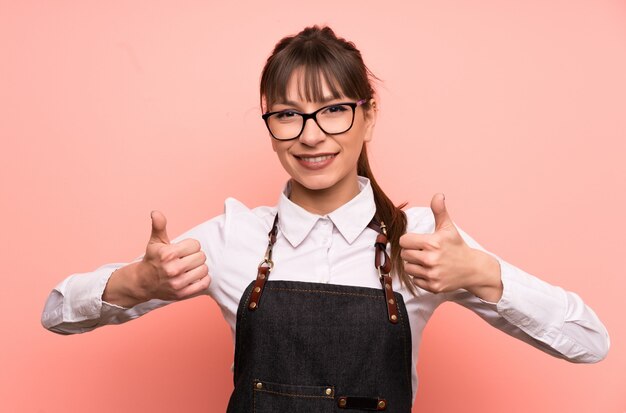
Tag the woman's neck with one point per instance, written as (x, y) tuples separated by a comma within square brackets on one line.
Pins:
[(324, 201)]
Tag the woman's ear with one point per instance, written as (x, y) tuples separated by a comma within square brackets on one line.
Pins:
[(373, 104), (370, 120)]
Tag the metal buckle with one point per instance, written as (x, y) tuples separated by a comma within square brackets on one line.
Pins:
[(267, 261)]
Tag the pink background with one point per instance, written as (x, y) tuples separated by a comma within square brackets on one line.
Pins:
[(515, 109)]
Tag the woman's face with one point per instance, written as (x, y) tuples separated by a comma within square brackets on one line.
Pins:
[(315, 160)]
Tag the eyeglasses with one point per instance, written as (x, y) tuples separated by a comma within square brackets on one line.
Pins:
[(333, 119)]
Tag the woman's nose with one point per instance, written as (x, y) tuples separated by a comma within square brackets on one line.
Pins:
[(311, 134)]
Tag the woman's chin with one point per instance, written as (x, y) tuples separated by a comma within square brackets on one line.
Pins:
[(326, 182), (314, 183)]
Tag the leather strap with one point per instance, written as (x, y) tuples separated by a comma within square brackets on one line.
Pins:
[(263, 272), (362, 403), (259, 284), (381, 262)]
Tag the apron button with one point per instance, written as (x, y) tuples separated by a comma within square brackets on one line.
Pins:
[(329, 391), (259, 385)]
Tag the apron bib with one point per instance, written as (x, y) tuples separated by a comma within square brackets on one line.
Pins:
[(307, 347)]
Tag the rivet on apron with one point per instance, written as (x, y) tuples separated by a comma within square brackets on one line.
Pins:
[(394, 317), (382, 404), (342, 402), (252, 307), (329, 391), (261, 276), (387, 286), (391, 301), (259, 385), (257, 289)]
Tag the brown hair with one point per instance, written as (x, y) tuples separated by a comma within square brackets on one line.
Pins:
[(325, 57)]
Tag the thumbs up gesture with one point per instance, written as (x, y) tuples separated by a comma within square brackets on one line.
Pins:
[(167, 271), (172, 271), (443, 262)]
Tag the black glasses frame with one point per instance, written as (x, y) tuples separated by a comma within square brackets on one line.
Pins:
[(312, 115)]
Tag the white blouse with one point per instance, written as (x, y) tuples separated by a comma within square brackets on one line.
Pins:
[(338, 248)]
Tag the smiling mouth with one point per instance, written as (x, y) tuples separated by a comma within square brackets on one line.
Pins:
[(316, 159), (316, 162)]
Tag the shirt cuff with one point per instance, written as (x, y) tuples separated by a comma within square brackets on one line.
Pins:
[(83, 294)]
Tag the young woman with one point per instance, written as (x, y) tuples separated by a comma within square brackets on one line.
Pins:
[(328, 292)]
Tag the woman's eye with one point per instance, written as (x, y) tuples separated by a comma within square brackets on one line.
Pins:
[(286, 114), (335, 109)]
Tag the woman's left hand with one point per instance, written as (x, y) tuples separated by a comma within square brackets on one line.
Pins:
[(443, 262)]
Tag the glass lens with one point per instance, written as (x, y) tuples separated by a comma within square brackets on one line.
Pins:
[(285, 125), (335, 119)]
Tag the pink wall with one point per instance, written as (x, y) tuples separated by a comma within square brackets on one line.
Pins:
[(515, 109)]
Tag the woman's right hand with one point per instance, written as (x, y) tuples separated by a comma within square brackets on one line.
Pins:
[(167, 271)]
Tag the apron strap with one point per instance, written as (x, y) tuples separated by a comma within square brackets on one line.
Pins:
[(383, 265), (381, 262), (264, 268)]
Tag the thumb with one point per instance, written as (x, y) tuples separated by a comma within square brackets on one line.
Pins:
[(159, 233), (438, 206)]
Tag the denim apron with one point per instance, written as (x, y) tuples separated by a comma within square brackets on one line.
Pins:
[(304, 347)]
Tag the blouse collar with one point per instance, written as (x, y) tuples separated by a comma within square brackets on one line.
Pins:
[(350, 219)]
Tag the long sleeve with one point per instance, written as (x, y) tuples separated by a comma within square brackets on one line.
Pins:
[(75, 305), (543, 315)]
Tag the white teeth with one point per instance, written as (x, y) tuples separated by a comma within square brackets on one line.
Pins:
[(316, 158)]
